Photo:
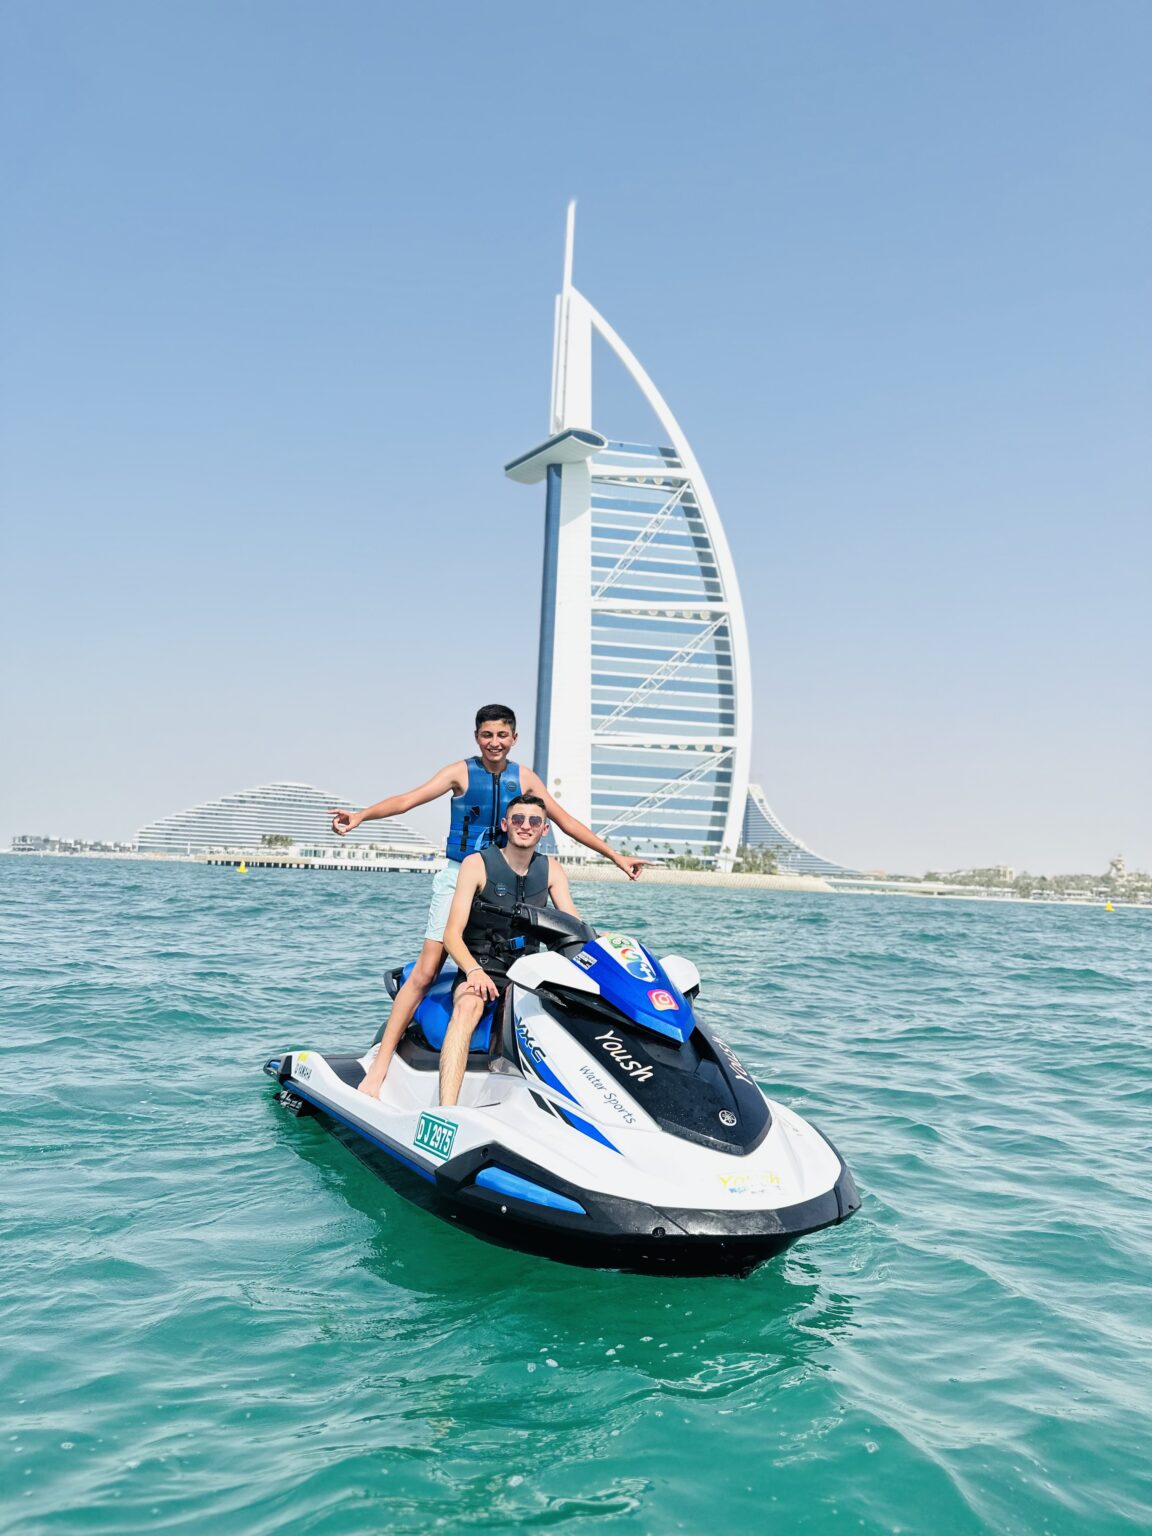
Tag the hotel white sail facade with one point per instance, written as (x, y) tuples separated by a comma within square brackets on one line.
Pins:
[(644, 706)]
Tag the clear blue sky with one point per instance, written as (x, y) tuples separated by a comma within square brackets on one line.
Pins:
[(275, 293)]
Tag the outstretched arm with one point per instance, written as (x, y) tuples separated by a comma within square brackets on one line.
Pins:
[(576, 829), (559, 889), (449, 780)]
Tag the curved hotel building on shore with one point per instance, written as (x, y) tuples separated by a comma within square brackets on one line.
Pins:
[(644, 696), (298, 811)]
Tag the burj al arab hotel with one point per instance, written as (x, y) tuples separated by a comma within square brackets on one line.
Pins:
[(644, 697)]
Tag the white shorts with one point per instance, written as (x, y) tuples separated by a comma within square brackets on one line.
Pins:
[(443, 890)]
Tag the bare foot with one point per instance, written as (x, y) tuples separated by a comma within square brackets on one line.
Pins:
[(375, 1075), (374, 1079)]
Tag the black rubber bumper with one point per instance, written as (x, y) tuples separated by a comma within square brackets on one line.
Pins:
[(628, 1234)]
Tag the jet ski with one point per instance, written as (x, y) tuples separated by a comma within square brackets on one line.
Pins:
[(602, 1120)]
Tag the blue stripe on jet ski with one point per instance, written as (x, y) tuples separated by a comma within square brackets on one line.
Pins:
[(546, 1075), (505, 1183), (385, 1146), (583, 1125)]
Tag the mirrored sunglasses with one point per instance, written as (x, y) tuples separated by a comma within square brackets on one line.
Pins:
[(531, 821)]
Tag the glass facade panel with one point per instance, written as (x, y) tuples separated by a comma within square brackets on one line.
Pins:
[(657, 800), (662, 670)]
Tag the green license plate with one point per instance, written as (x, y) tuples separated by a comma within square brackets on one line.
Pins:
[(435, 1136)]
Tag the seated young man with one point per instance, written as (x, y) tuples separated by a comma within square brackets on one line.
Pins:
[(479, 934), (481, 788)]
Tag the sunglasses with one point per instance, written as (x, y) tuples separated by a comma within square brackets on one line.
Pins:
[(529, 821)]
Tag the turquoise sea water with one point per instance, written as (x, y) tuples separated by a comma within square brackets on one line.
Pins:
[(215, 1319)]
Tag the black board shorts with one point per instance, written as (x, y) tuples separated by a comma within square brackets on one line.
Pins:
[(499, 977)]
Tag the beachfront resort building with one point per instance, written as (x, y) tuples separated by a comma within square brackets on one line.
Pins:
[(299, 812), (644, 695), (763, 829)]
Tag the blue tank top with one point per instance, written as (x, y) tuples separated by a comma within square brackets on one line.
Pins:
[(478, 812)]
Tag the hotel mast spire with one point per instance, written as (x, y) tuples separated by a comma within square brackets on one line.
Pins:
[(569, 244), (572, 347)]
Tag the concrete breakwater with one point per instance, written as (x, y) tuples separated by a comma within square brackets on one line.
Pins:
[(377, 865), (588, 874)]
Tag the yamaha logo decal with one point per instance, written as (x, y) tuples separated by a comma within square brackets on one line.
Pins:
[(727, 1117)]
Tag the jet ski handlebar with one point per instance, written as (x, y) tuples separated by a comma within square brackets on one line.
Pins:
[(549, 926), (555, 928)]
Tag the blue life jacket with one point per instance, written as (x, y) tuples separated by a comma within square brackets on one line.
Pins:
[(478, 812)]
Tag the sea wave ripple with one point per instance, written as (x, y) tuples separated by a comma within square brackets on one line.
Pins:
[(216, 1318)]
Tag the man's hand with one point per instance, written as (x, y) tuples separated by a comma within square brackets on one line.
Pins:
[(633, 868), (346, 821), (482, 984)]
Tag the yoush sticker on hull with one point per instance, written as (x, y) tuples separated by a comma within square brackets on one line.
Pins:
[(762, 1183), (611, 1099), (732, 1059), (638, 1071)]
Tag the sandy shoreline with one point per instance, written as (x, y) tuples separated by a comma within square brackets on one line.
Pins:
[(604, 873)]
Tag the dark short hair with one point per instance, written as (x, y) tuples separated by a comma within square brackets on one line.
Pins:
[(495, 712), (528, 799)]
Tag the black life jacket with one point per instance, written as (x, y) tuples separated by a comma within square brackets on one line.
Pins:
[(489, 932)]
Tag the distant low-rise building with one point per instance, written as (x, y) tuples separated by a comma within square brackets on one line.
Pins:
[(37, 842), (986, 874)]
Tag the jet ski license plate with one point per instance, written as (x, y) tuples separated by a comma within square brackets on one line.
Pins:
[(435, 1136)]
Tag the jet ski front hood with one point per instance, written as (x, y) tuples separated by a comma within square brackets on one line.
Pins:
[(636, 983)]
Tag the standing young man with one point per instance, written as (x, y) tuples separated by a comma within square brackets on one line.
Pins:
[(479, 935), (482, 788)]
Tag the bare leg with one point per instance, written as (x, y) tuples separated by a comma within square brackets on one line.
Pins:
[(405, 1004), (454, 1052)]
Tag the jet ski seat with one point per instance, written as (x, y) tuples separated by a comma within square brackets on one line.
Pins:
[(421, 1044)]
